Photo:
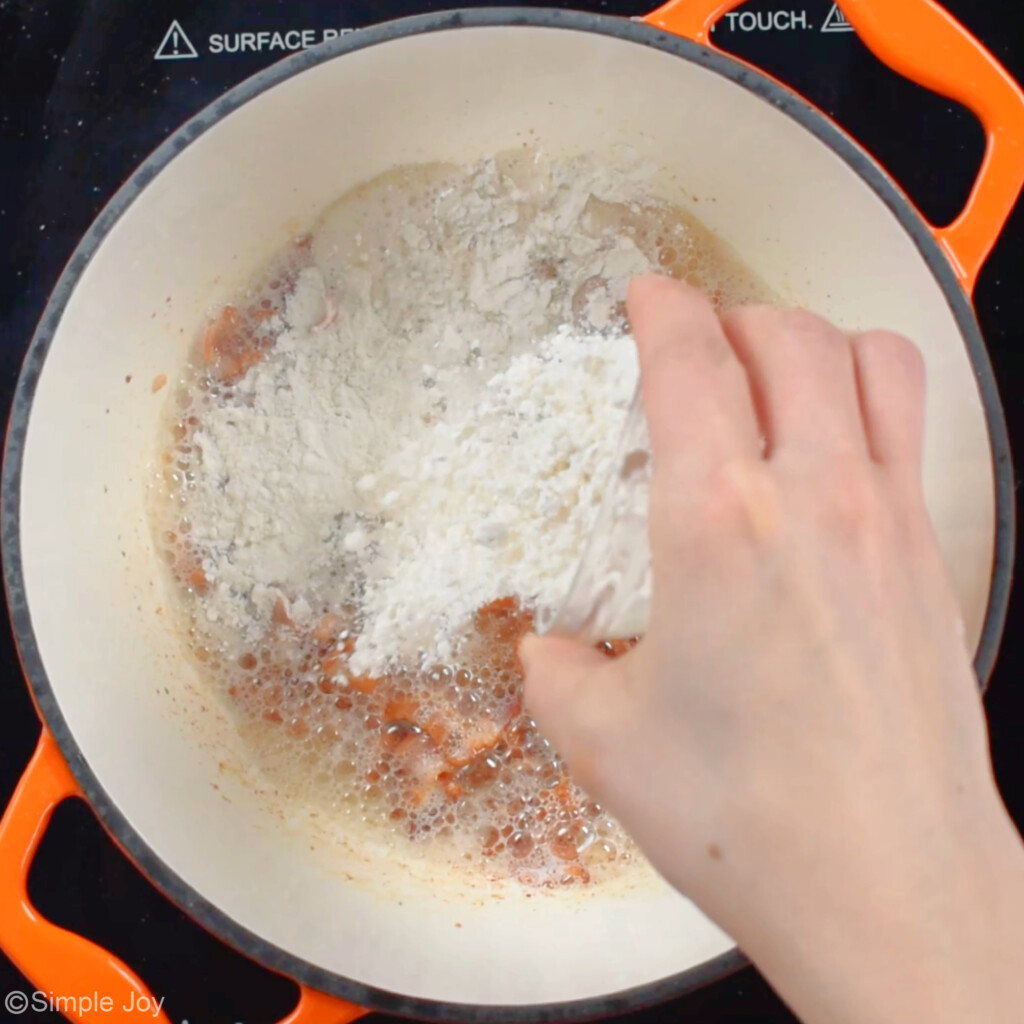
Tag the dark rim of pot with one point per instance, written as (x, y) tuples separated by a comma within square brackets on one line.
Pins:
[(175, 888)]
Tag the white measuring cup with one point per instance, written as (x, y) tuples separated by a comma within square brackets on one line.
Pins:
[(610, 596)]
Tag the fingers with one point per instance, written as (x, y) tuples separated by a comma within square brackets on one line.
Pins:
[(696, 395), (556, 671), (803, 379), (572, 690), (891, 380), (713, 386)]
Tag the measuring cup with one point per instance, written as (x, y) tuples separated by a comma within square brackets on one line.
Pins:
[(610, 596)]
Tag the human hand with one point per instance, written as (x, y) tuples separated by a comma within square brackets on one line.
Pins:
[(798, 742)]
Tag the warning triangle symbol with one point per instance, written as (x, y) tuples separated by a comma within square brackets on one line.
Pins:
[(836, 21), (175, 45)]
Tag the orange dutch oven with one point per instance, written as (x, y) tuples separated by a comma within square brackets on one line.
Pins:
[(125, 725)]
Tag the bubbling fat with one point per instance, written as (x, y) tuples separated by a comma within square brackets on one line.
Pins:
[(445, 752)]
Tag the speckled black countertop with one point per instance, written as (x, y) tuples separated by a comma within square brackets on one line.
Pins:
[(83, 100)]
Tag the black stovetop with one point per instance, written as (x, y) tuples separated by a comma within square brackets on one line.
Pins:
[(83, 99)]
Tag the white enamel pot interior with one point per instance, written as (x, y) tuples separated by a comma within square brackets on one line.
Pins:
[(803, 207)]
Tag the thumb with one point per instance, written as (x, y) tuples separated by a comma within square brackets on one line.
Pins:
[(568, 687)]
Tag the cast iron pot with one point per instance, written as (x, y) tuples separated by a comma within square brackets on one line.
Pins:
[(124, 724)]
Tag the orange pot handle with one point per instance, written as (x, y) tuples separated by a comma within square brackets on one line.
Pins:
[(923, 42), (68, 971)]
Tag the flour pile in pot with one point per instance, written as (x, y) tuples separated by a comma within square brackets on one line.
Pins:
[(387, 458)]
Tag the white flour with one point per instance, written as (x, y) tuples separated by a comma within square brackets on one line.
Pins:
[(426, 434), (497, 501)]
